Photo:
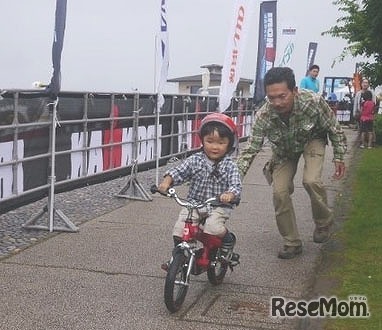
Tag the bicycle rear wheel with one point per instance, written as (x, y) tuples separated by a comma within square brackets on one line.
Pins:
[(216, 270), (175, 288)]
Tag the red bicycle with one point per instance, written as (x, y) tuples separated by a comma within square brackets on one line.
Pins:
[(197, 253)]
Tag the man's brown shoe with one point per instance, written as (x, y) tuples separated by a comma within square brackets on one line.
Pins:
[(321, 234), (289, 252)]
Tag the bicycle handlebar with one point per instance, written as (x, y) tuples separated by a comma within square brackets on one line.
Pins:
[(172, 194)]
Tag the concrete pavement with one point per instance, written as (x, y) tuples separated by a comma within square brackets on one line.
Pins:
[(108, 276)]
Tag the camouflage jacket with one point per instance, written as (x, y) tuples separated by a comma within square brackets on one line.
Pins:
[(311, 118)]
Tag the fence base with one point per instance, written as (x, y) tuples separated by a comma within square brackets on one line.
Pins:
[(70, 226), (135, 189)]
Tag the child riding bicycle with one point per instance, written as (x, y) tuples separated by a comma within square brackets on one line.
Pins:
[(211, 172)]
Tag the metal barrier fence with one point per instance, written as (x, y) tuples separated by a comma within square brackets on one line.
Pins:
[(86, 138)]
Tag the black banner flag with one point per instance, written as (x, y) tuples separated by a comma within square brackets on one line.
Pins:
[(266, 47), (59, 30), (312, 50)]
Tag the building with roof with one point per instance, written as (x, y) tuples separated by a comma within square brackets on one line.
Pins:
[(209, 80)]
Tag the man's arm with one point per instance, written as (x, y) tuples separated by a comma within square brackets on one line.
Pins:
[(336, 136), (252, 148), (233, 192)]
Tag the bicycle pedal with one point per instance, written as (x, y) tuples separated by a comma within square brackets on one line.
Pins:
[(235, 260), (234, 263), (231, 265)]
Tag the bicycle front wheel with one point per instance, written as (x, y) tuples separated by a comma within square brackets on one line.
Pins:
[(176, 285), (216, 271)]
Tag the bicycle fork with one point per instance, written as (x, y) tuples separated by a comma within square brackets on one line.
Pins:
[(189, 254)]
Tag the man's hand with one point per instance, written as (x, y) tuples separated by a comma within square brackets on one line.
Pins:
[(339, 170)]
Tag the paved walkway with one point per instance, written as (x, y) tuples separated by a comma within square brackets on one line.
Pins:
[(107, 275)]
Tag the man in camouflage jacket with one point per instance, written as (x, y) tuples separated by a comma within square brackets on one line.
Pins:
[(295, 123)]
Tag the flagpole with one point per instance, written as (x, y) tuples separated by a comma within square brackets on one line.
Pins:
[(161, 76), (156, 113), (155, 63), (157, 142)]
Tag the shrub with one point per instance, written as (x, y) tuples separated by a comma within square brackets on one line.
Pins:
[(378, 129)]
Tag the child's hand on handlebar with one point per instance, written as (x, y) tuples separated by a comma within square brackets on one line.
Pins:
[(165, 184), (163, 188), (227, 197)]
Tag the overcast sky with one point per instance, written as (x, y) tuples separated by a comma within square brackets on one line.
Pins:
[(109, 46)]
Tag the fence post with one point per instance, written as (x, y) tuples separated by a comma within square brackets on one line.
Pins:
[(133, 189), (50, 208)]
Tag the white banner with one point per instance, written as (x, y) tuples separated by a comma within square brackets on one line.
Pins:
[(237, 39), (286, 46), (162, 55)]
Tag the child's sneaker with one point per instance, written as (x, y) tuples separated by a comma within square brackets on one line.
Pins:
[(165, 266), (362, 146)]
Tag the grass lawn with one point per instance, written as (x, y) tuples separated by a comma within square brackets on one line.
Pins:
[(359, 267)]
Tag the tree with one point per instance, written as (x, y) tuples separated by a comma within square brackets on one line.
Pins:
[(361, 26)]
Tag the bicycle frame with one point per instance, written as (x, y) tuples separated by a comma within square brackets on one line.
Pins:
[(198, 252)]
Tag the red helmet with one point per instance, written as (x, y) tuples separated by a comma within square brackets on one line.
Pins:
[(226, 121)]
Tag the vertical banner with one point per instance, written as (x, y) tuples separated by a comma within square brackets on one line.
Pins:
[(312, 50), (162, 63), (286, 45), (59, 30), (237, 40), (162, 55), (266, 52)]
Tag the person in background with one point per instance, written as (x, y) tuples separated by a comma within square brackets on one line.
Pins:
[(332, 97), (296, 123), (365, 86), (310, 81), (366, 120)]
